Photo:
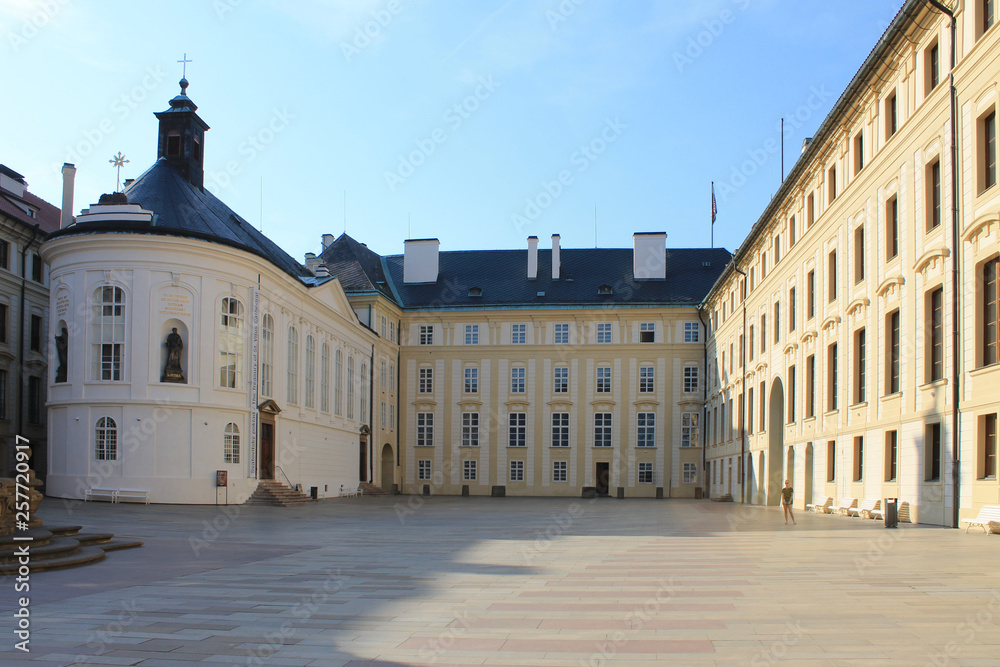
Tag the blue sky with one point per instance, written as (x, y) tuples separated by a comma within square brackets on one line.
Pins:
[(476, 123)]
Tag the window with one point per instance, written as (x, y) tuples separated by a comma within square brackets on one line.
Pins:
[(810, 386), (832, 273), (106, 440), (469, 471), (518, 334), (424, 469), (810, 209), (932, 63), (933, 174), (602, 429), (4, 255), (791, 310), (36, 268), (763, 274), (381, 413), (892, 353), (777, 249), (991, 311), (34, 400), (324, 378), (311, 371), (364, 393), (690, 379), (3, 394), (471, 380), (831, 461), (811, 295), (763, 405), (425, 429), (392, 331), (231, 443), (426, 334), (647, 380), (516, 429), (988, 459), (3, 323), (604, 332), (860, 367), (647, 332), (560, 380), (792, 231), (690, 473), (891, 455), (749, 399), (932, 450), (561, 334), (472, 334), (859, 254), (517, 380), (831, 184), (36, 333), (859, 458), (646, 429), (108, 333), (350, 387), (392, 417), (517, 471), (470, 429), (988, 15), (891, 115), (604, 379), (791, 394), (293, 365), (892, 228), (383, 326), (777, 322), (832, 375), (987, 158), (689, 429), (691, 332), (267, 356), (559, 471), (425, 381), (645, 473), (763, 333), (935, 334), (751, 340), (392, 377), (859, 153), (560, 429)]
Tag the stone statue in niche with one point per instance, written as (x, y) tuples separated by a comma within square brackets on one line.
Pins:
[(172, 372), (62, 347)]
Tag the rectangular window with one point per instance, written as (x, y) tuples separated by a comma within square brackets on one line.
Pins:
[(750, 335), (34, 400), (810, 210), (832, 275), (424, 469), (517, 471), (604, 332), (689, 473), (425, 429), (602, 429), (517, 374), (892, 353), (560, 429), (859, 153), (991, 312), (860, 367), (691, 332), (987, 127), (471, 381), (3, 394), (777, 322), (646, 430), (561, 334), (763, 271), (690, 379), (932, 449), (810, 386), (647, 380), (832, 375), (831, 461), (891, 455), (647, 332), (763, 333), (988, 14), (469, 471), (932, 61), (892, 228), (749, 399), (470, 429), (472, 334), (777, 249), (933, 174), (426, 334), (4, 255), (690, 422), (935, 334), (792, 231), (559, 471), (988, 460), (891, 115), (36, 268), (645, 473), (791, 394), (859, 458), (516, 429), (811, 295), (859, 254), (3, 323), (36, 333), (425, 381), (560, 380), (831, 184), (604, 379), (518, 334), (791, 310), (392, 417)]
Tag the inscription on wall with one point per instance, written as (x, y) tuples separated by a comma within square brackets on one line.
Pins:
[(175, 304), (62, 305)]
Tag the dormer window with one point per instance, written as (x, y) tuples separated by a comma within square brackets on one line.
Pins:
[(605, 289), (475, 291), (173, 144), (197, 150)]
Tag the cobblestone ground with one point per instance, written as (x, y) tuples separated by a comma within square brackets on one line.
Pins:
[(511, 581)]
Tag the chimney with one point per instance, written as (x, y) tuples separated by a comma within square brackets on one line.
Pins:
[(532, 257), (649, 255), (555, 257), (69, 177), (420, 260), (805, 143), (322, 271), (312, 262), (327, 241)]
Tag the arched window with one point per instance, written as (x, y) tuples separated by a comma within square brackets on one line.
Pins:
[(108, 334), (106, 440), (350, 387), (293, 365), (267, 356), (310, 371), (231, 442), (324, 378), (231, 344), (364, 393), (338, 383)]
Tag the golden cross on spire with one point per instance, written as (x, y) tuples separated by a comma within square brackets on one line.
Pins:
[(119, 161), (185, 61)]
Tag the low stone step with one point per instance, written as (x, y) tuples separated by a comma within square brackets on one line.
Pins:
[(80, 556), (56, 547)]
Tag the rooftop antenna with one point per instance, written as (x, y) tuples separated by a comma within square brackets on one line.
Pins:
[(409, 234), (782, 150), (345, 211), (119, 161), (595, 224), (261, 204)]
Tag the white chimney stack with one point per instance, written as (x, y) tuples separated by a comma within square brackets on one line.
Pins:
[(555, 257), (312, 262), (69, 178), (532, 257), (649, 256), (420, 260), (327, 241)]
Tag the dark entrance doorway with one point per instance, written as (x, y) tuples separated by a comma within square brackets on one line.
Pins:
[(266, 449), (363, 459), (388, 468), (603, 477)]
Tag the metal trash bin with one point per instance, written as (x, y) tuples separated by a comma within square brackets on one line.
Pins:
[(891, 513)]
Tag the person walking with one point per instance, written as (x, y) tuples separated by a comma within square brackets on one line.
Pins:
[(786, 501)]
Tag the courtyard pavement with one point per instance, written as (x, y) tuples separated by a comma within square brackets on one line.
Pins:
[(510, 581)]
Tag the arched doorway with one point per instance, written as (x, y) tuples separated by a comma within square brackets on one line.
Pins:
[(761, 480), (388, 469), (775, 440), (807, 488)]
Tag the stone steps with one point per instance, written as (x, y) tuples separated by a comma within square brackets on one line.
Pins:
[(58, 548), (372, 490), (276, 494)]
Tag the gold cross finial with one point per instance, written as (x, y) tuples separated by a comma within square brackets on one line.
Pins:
[(118, 161), (185, 61)]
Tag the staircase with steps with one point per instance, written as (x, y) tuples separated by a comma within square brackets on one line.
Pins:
[(276, 494), (58, 548), (372, 490)]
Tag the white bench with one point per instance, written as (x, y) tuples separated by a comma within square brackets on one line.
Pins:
[(822, 507), (101, 492), (135, 494), (350, 493), (865, 508), (845, 505), (988, 518)]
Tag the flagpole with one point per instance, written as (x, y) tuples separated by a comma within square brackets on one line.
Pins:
[(713, 216)]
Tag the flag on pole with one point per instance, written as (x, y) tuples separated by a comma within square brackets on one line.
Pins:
[(714, 209)]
